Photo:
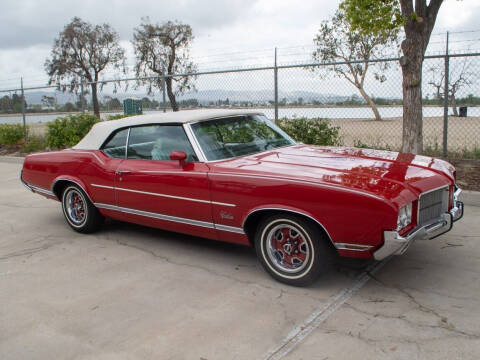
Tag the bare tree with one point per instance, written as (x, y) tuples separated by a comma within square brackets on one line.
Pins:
[(80, 53), (163, 50), (335, 42), (457, 80)]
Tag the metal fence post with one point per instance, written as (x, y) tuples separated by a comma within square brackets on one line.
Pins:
[(163, 91), (275, 76), (445, 102), (23, 106), (82, 98)]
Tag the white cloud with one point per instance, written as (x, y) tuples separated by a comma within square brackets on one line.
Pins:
[(230, 33)]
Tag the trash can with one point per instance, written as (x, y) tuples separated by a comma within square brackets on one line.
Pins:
[(132, 107), (463, 111)]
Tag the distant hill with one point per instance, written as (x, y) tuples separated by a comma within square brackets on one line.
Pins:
[(203, 96)]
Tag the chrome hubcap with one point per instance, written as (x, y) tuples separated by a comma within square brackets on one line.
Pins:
[(75, 206), (287, 248)]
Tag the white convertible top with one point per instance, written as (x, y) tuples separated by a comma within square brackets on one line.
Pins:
[(100, 131)]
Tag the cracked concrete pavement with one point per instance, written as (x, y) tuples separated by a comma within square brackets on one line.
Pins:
[(130, 292)]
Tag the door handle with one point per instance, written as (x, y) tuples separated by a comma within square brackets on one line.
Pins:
[(121, 172)]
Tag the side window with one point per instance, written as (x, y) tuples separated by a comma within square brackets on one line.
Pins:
[(157, 142), (115, 146)]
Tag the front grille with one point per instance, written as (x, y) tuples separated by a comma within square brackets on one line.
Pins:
[(432, 205)]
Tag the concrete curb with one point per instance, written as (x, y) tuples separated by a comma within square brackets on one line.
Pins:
[(469, 197), (12, 159)]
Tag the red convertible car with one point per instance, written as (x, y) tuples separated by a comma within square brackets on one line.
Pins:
[(235, 176)]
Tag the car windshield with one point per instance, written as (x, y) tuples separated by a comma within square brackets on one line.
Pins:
[(238, 135)]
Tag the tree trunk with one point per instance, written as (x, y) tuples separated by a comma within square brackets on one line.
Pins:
[(453, 103), (96, 108), (420, 19), (412, 98), (370, 102), (171, 95)]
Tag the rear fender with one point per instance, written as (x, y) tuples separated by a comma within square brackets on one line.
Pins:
[(57, 183)]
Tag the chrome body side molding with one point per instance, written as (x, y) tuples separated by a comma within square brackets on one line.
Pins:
[(176, 219), (36, 189), (163, 195)]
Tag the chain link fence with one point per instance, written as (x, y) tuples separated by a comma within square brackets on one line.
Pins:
[(369, 115)]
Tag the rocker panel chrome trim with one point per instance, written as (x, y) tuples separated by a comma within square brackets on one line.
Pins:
[(41, 190), (232, 229), (152, 215), (156, 215), (352, 247)]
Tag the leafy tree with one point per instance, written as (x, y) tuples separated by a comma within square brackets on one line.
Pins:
[(113, 103), (49, 101), (69, 107), (17, 103), (5, 104), (80, 53), (375, 17), (163, 50), (336, 42)]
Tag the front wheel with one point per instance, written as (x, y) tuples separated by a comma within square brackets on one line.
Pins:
[(292, 250), (79, 211)]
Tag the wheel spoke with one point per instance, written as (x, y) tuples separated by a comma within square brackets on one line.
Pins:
[(288, 248), (75, 207)]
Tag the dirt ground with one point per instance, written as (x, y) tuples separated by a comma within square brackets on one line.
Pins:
[(463, 133), (468, 173)]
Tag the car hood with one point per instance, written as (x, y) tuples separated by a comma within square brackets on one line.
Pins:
[(390, 175)]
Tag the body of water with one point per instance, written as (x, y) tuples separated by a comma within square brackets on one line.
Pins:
[(313, 112)]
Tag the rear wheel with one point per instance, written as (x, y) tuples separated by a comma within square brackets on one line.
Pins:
[(79, 211), (292, 250)]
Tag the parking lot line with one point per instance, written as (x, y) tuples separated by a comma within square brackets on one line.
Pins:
[(300, 332)]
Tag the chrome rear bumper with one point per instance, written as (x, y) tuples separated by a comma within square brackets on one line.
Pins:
[(394, 244)]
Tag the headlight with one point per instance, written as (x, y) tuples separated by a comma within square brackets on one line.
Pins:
[(404, 217)]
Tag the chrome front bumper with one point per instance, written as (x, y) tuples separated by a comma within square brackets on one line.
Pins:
[(394, 244)]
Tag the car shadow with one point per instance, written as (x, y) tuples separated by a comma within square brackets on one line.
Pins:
[(239, 257)]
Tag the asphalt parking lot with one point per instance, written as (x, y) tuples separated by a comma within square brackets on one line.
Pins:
[(130, 292)]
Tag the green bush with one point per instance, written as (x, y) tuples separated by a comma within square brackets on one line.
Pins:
[(118, 116), (376, 146), (311, 131), (11, 134), (67, 131), (34, 143)]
